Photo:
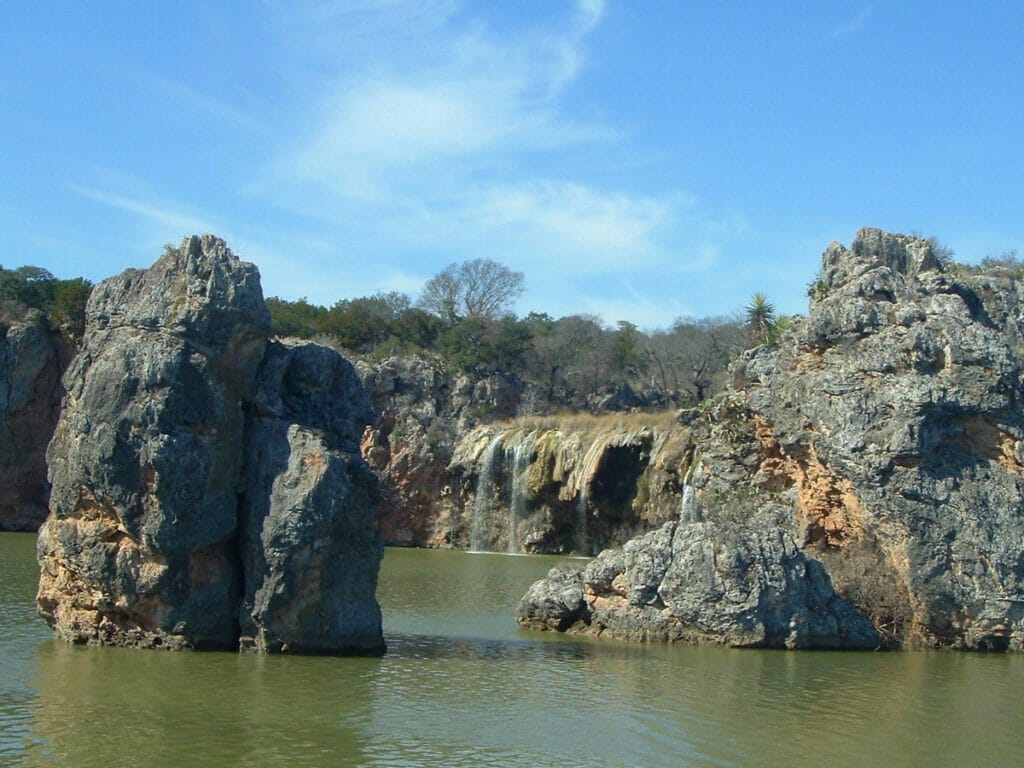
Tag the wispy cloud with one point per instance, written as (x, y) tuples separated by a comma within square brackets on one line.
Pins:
[(203, 103), (156, 212), (851, 25), (572, 218), (457, 139), (487, 100)]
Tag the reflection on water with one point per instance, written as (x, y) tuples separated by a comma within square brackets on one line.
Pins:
[(461, 686)]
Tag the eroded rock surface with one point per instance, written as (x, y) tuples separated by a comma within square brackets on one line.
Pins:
[(185, 442), (700, 583), (423, 412), (879, 449), (308, 537), (32, 358)]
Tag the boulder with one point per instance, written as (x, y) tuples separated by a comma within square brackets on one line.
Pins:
[(555, 602), (701, 583)]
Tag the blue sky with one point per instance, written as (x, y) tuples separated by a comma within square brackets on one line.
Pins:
[(638, 160)]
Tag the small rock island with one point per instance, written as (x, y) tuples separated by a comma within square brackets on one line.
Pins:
[(207, 486)]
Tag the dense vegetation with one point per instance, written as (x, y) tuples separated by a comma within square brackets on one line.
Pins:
[(566, 360), (28, 291)]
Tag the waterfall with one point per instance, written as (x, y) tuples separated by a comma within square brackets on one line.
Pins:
[(585, 474), (689, 511), (517, 457), (580, 539), (485, 487)]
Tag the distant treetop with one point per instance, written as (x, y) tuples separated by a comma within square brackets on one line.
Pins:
[(475, 288)]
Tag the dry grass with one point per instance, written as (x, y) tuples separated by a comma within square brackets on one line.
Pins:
[(588, 422)]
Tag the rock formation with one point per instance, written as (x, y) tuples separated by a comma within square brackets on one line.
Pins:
[(423, 412), (206, 485), (745, 587), (434, 427), (32, 359), (310, 550), (878, 451)]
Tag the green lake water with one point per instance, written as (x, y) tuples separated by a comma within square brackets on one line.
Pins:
[(462, 686)]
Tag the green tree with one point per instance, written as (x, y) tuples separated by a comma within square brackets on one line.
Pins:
[(364, 323), (295, 318), (68, 313), (625, 348), (416, 328), (30, 287)]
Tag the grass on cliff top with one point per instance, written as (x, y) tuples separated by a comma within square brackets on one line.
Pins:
[(588, 422)]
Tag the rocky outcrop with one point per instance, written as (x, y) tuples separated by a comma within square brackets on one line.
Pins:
[(32, 359), (434, 427), (204, 480), (751, 587), (880, 446)]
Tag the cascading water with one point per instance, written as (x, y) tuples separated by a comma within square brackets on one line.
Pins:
[(689, 511), (576, 490), (485, 489), (581, 540), (586, 474), (517, 457)]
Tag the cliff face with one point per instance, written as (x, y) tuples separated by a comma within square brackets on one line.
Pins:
[(32, 359), (195, 465), (458, 470), (422, 414), (879, 448), (570, 484)]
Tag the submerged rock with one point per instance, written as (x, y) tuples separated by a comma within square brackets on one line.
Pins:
[(154, 491)]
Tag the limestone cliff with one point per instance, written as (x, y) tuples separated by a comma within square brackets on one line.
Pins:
[(32, 359), (205, 481), (423, 412), (571, 483), (870, 466)]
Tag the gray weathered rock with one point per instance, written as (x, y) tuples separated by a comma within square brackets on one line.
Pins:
[(555, 602), (148, 464), (146, 461), (31, 361), (308, 540), (423, 413), (879, 450), (702, 583), (894, 412)]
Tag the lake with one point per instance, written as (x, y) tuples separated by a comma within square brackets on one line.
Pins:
[(462, 686)]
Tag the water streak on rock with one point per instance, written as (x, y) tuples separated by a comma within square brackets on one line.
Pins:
[(485, 489)]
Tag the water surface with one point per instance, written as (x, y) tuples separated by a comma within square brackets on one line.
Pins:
[(462, 686)]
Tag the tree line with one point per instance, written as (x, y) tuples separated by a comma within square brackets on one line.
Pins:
[(28, 291), (463, 320)]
